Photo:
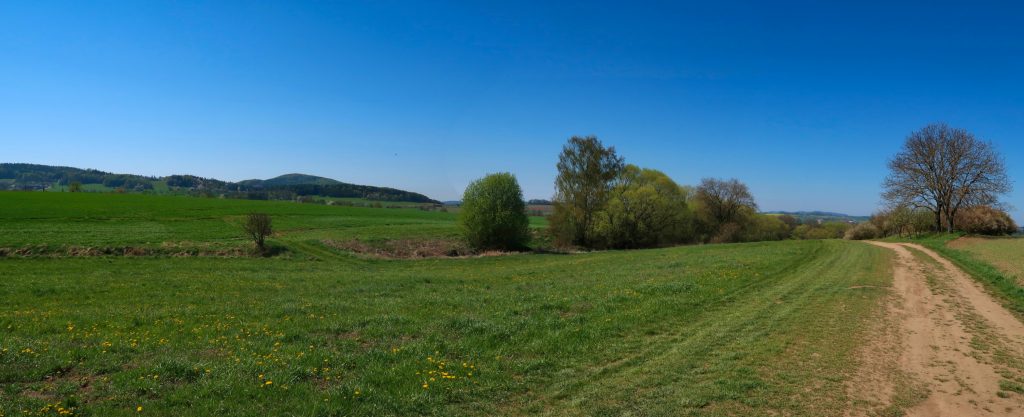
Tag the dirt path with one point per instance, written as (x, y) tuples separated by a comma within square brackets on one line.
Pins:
[(952, 339)]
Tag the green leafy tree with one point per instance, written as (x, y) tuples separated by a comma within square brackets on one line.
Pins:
[(763, 227), (645, 208), (586, 174), (493, 214)]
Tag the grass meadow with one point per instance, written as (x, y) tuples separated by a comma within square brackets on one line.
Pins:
[(739, 329)]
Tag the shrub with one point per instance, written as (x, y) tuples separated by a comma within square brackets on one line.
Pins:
[(493, 214), (985, 220), (727, 233), (810, 232), (258, 227), (863, 231), (763, 227)]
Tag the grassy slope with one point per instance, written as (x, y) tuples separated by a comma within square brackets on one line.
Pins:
[(716, 330), (709, 330)]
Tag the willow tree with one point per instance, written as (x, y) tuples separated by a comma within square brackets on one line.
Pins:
[(493, 214), (944, 170)]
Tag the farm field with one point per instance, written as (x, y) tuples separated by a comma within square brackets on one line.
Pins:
[(1005, 253), (705, 330), (61, 220)]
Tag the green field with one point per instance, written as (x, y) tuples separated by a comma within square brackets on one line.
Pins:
[(116, 220), (742, 329), (1005, 253)]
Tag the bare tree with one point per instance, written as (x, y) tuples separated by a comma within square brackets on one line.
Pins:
[(258, 227), (943, 170), (586, 172), (725, 200)]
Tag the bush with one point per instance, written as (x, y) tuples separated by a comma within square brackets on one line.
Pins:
[(258, 227), (493, 214), (831, 230), (863, 231), (763, 227), (985, 220)]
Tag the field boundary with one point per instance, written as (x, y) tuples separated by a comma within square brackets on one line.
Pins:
[(995, 281)]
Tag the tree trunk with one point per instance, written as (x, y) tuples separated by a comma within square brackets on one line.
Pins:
[(949, 221)]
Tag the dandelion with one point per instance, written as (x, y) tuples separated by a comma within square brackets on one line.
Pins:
[(268, 383), (138, 409)]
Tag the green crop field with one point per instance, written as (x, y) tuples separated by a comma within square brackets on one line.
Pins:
[(703, 330)]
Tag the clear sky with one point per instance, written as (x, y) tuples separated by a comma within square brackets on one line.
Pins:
[(804, 101)]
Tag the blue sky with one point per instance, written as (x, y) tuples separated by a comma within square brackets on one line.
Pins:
[(804, 101)]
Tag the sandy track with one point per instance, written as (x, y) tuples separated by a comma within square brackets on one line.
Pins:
[(952, 338)]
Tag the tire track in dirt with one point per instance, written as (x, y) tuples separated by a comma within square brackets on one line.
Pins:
[(953, 338)]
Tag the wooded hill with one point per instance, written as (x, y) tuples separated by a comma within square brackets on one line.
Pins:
[(17, 176)]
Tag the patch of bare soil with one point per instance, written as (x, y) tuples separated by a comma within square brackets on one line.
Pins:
[(403, 248), (952, 337), (166, 249)]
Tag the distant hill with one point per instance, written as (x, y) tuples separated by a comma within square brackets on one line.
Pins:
[(290, 179), (823, 216), (15, 176)]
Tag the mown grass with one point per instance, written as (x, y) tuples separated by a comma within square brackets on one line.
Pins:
[(747, 329)]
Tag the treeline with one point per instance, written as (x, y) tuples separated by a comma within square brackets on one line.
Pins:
[(38, 177), (905, 221), (343, 190), (601, 202)]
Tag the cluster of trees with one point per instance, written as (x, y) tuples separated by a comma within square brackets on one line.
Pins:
[(906, 221), (602, 202), (827, 230)]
